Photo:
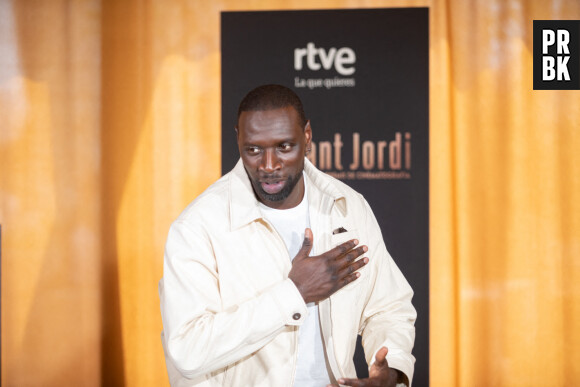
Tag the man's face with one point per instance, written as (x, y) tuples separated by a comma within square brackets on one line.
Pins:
[(272, 146)]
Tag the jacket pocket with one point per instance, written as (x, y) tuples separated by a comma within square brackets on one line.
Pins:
[(341, 237)]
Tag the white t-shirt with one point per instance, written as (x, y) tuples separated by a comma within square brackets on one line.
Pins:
[(311, 370)]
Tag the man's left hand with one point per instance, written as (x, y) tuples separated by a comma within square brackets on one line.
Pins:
[(380, 375)]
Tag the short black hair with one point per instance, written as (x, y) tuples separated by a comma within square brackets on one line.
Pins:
[(270, 97)]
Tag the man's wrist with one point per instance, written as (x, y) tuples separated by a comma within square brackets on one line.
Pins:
[(392, 377), (397, 378)]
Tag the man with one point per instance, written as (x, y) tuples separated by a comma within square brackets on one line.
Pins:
[(271, 273)]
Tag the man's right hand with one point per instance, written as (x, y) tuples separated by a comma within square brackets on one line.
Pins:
[(319, 277)]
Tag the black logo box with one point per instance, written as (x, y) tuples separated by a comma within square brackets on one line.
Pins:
[(572, 63), (390, 94)]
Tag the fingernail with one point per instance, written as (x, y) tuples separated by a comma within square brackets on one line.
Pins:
[(365, 249), (357, 274), (366, 260)]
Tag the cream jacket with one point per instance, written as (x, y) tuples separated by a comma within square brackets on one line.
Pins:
[(230, 313)]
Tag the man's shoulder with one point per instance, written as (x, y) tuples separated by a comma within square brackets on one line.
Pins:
[(213, 202), (333, 186)]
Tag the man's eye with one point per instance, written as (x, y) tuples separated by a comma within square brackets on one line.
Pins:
[(285, 147), (253, 150)]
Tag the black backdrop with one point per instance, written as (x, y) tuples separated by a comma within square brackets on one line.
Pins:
[(363, 78)]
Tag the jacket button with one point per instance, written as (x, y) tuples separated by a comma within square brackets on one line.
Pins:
[(296, 316)]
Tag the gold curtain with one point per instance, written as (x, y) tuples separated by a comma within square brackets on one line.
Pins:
[(110, 125)]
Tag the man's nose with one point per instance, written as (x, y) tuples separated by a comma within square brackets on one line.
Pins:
[(270, 161)]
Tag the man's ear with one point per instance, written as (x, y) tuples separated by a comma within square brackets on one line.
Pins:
[(308, 134)]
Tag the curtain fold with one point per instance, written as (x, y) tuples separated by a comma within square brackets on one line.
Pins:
[(110, 126)]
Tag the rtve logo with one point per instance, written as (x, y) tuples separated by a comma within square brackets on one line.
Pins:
[(556, 54), (342, 59)]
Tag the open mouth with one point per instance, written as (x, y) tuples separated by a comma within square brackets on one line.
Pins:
[(273, 187)]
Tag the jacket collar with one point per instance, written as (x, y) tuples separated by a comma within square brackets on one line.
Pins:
[(325, 186), (244, 207)]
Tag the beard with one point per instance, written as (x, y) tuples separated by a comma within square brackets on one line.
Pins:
[(291, 182)]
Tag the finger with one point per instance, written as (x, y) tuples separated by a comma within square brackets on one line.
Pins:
[(381, 357), (348, 279), (343, 248), (352, 267), (306, 244), (352, 255)]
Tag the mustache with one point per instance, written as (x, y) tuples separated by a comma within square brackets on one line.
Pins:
[(270, 177)]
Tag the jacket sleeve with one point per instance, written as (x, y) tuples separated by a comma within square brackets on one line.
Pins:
[(389, 317), (201, 336)]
